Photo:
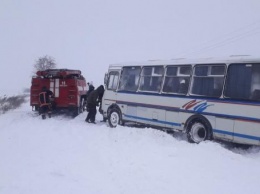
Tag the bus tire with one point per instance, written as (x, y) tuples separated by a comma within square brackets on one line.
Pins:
[(114, 118), (198, 130)]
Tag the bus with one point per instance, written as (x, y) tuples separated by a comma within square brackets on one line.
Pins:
[(206, 99)]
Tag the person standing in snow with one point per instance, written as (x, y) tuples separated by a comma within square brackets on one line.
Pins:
[(45, 102), (93, 102), (90, 89), (100, 106)]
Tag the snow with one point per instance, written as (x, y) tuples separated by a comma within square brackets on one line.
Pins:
[(65, 155)]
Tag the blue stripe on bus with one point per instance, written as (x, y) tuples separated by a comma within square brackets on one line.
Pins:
[(148, 105), (214, 130), (177, 109), (153, 120), (209, 99), (249, 119), (237, 134)]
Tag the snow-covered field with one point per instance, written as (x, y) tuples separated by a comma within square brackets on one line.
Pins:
[(62, 155)]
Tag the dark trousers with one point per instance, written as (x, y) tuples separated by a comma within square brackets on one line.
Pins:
[(45, 109), (92, 111)]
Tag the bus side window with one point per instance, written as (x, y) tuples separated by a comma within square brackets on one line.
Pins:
[(151, 78), (243, 81), (255, 82), (156, 84), (256, 95), (167, 87), (144, 84), (129, 78), (112, 80), (130, 83), (183, 87), (177, 79), (208, 80)]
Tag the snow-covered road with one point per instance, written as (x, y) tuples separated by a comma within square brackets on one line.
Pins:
[(64, 155)]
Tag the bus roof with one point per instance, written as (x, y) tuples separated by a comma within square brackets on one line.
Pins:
[(185, 61)]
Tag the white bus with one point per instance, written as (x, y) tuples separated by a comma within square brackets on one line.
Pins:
[(205, 99)]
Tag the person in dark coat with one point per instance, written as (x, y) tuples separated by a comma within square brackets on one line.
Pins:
[(45, 102), (93, 102), (100, 106), (90, 89)]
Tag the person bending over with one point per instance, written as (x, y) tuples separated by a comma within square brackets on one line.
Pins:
[(92, 103)]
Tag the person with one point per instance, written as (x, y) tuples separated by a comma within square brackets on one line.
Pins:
[(93, 102), (45, 102), (183, 88), (90, 89), (100, 106)]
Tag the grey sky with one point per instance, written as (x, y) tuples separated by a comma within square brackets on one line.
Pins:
[(90, 34)]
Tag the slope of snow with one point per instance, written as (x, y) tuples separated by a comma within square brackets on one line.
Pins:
[(65, 155)]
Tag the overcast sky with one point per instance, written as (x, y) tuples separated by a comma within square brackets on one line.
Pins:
[(91, 34)]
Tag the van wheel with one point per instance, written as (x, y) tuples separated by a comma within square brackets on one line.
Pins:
[(74, 111), (114, 118), (198, 131)]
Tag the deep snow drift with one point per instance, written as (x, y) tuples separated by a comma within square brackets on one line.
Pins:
[(65, 155)]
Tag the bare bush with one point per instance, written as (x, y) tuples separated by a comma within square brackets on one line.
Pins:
[(9, 103)]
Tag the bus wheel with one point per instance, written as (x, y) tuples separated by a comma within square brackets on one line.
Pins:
[(114, 118), (198, 131)]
